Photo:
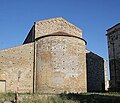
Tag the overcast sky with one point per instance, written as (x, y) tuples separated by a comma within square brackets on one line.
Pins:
[(92, 16)]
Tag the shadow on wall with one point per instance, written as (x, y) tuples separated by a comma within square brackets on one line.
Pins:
[(95, 73)]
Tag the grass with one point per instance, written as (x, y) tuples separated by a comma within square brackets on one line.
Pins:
[(6, 97), (95, 97), (49, 100), (63, 98)]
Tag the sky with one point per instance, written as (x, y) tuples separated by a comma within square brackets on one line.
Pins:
[(94, 17)]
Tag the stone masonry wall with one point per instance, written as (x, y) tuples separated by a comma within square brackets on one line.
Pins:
[(60, 64), (113, 37), (49, 26), (95, 72), (16, 68), (57, 56)]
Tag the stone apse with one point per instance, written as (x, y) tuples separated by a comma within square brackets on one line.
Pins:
[(52, 59)]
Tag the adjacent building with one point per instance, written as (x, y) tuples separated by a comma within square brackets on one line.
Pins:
[(113, 38), (52, 59)]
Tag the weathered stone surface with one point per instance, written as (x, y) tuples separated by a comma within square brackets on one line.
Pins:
[(61, 64), (52, 60), (97, 77), (113, 37), (50, 26), (16, 68), (2, 86)]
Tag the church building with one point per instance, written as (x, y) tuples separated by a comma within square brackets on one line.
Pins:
[(52, 59)]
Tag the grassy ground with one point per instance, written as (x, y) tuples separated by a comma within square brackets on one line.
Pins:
[(6, 97), (50, 100), (95, 97), (64, 98)]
